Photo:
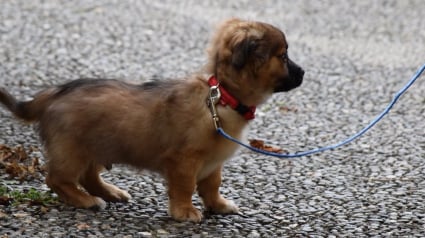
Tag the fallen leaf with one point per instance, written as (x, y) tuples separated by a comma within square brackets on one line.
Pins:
[(3, 215), (17, 163), (20, 154), (259, 144), (35, 164), (44, 209), (20, 215), (288, 109), (5, 200), (83, 226), (14, 169), (5, 152)]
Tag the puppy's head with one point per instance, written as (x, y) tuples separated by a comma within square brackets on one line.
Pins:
[(251, 60)]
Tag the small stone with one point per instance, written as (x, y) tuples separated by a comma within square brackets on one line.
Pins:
[(161, 232), (254, 234), (145, 234)]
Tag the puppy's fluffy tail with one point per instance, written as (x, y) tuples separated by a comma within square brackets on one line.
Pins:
[(28, 110)]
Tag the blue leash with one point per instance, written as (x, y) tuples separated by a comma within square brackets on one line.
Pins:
[(330, 147)]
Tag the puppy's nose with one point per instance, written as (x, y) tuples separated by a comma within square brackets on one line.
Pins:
[(295, 70), (302, 72), (298, 73)]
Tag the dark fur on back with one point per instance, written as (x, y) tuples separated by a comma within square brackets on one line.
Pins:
[(33, 109), (90, 84), (76, 84)]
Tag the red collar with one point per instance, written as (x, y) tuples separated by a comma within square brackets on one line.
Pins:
[(226, 99)]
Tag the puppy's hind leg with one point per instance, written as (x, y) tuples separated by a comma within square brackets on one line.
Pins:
[(95, 185), (63, 176)]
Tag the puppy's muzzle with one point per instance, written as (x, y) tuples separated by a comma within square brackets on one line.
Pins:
[(296, 73), (293, 80)]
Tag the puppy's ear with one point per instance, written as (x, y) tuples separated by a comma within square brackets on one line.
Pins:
[(242, 51)]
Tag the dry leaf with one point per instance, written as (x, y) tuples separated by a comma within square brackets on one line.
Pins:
[(20, 154), (17, 164), (3, 215), (83, 226), (20, 215), (259, 144), (288, 109), (5, 153), (35, 164), (12, 154), (14, 169), (5, 200), (44, 210)]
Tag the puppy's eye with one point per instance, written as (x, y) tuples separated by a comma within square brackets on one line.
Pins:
[(284, 56)]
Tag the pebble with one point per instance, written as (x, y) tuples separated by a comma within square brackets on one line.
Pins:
[(145, 234)]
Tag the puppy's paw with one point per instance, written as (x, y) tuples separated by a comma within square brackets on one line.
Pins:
[(96, 203), (223, 206), (186, 214), (124, 196), (111, 193), (118, 195), (227, 207)]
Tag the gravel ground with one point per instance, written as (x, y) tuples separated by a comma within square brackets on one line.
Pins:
[(356, 55)]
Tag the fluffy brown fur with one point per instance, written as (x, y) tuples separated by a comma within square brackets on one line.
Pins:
[(166, 127)]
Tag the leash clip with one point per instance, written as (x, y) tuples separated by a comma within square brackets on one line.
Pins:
[(213, 98)]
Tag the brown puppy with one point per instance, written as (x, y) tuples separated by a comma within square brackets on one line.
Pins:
[(166, 127)]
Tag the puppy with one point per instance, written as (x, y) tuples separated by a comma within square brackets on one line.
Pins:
[(163, 126)]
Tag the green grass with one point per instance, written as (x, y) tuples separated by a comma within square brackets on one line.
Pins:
[(31, 197)]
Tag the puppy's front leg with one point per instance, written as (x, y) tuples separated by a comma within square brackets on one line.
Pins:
[(180, 190), (208, 189)]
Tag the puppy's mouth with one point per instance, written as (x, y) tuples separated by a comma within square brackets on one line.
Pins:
[(292, 80)]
